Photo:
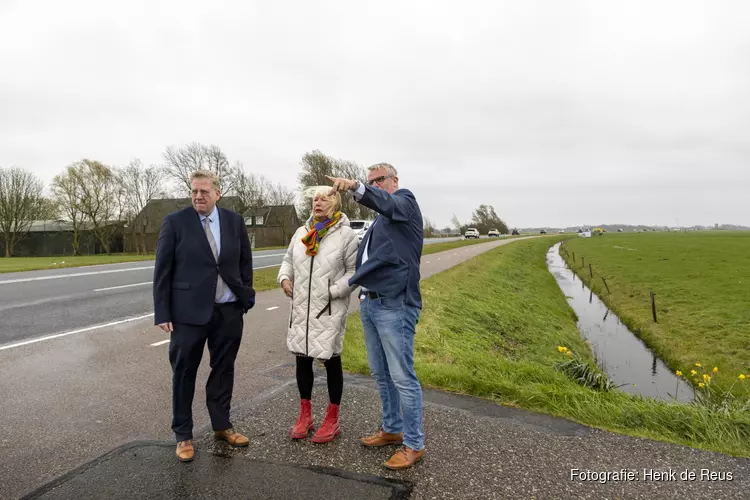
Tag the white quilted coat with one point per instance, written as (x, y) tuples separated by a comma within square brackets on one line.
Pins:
[(320, 305)]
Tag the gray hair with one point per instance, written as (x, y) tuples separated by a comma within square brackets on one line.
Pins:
[(205, 174), (387, 166)]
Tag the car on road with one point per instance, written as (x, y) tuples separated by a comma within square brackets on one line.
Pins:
[(360, 227), (493, 232), (543, 231), (471, 232), (515, 232)]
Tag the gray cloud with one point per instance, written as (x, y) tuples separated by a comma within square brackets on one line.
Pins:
[(556, 113)]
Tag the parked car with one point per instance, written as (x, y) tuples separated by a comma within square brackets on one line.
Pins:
[(543, 231), (360, 227), (471, 232), (515, 232), (493, 232)]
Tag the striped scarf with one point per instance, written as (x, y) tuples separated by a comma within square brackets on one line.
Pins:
[(312, 239)]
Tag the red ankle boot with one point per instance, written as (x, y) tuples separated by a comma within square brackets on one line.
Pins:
[(330, 427), (304, 422)]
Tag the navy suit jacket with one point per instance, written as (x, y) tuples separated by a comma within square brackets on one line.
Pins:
[(395, 246), (185, 272)]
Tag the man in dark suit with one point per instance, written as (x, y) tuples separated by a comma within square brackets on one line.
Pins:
[(203, 280), (387, 271)]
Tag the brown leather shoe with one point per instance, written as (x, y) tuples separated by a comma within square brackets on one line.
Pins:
[(404, 458), (232, 437), (382, 438), (185, 451)]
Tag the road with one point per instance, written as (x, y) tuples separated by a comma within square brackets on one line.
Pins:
[(39, 303), (68, 399)]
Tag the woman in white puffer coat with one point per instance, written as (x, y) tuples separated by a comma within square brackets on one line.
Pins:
[(315, 274)]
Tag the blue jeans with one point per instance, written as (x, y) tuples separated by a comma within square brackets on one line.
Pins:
[(389, 336)]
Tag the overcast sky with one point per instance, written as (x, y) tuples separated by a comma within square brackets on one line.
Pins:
[(555, 112)]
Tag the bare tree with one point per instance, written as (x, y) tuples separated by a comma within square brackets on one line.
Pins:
[(429, 227), (251, 189), (279, 194), (101, 198), (140, 185), (456, 223), (181, 162), (49, 209), (21, 202), (67, 194), (315, 167)]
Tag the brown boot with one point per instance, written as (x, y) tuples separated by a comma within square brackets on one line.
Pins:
[(382, 438), (404, 458), (304, 422), (232, 437), (185, 451)]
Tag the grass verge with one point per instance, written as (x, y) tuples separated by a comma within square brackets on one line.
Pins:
[(491, 327), (17, 264), (701, 282)]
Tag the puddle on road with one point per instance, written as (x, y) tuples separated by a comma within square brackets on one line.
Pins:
[(619, 353)]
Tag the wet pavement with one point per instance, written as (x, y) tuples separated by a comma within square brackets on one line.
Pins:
[(147, 470), (474, 449)]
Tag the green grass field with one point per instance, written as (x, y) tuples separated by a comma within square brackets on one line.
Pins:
[(702, 286), (491, 327)]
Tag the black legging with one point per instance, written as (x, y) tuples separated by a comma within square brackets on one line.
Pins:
[(334, 374)]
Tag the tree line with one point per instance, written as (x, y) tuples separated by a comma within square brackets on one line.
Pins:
[(91, 195)]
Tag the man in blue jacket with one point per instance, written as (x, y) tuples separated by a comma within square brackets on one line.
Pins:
[(387, 271), (203, 286)]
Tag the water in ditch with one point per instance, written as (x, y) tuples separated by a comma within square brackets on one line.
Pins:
[(625, 358)]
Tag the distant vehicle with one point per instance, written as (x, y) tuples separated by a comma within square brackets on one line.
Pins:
[(471, 232), (515, 232), (542, 232), (493, 232), (561, 231), (620, 230), (360, 227)]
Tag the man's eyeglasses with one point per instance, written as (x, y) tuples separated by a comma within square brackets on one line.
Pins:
[(379, 180)]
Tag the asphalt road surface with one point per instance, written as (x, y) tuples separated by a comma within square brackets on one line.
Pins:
[(68, 399), (40, 303)]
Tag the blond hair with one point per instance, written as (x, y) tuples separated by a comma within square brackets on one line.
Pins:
[(205, 174), (325, 192)]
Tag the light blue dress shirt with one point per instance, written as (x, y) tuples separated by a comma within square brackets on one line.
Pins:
[(215, 225)]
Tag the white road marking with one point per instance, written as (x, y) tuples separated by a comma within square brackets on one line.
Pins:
[(160, 343), (58, 276), (265, 267), (123, 286), (272, 308), (87, 329)]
